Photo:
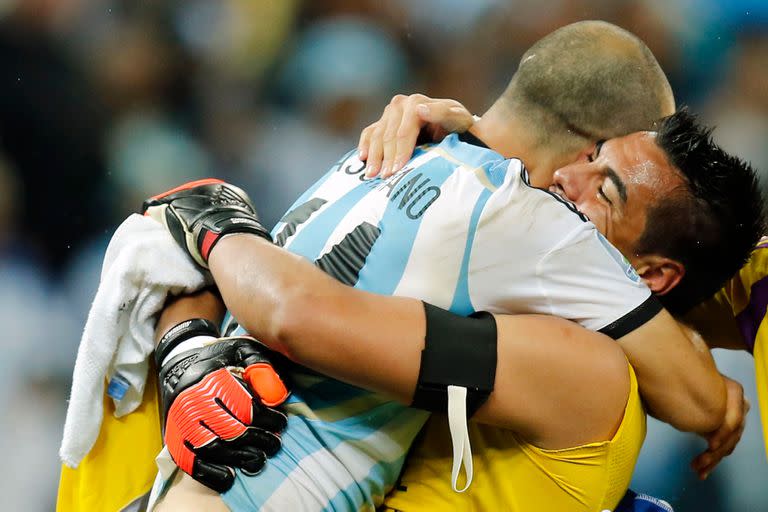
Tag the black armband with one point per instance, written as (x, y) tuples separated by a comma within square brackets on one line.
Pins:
[(182, 332), (459, 351)]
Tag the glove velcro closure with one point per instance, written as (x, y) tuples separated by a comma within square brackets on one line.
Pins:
[(182, 332), (227, 222)]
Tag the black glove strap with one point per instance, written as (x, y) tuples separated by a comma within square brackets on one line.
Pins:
[(181, 332)]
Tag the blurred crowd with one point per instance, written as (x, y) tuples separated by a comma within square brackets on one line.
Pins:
[(106, 102)]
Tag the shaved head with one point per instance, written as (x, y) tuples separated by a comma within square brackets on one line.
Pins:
[(590, 80)]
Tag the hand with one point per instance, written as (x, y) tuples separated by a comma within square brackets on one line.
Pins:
[(217, 407), (198, 214), (722, 441), (388, 144)]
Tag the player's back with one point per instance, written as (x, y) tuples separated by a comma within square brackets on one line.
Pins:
[(459, 227)]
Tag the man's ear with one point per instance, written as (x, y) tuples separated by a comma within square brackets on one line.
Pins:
[(660, 273)]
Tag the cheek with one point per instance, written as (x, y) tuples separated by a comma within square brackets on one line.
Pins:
[(595, 213), (627, 233)]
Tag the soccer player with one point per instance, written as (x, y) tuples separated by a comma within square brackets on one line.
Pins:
[(732, 319), (280, 294), (616, 106)]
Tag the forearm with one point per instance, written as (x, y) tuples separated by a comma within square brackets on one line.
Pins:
[(203, 304), (545, 365), (292, 307), (686, 403), (677, 377)]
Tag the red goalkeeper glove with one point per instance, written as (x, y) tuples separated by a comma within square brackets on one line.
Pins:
[(217, 396), (199, 213)]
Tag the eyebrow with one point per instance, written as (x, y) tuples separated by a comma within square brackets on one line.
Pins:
[(618, 183)]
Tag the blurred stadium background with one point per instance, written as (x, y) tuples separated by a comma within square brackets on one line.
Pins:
[(105, 102)]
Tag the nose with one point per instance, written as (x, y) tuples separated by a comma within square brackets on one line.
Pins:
[(575, 179)]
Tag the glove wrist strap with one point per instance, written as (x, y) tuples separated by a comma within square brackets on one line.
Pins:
[(236, 223), (182, 332), (193, 343)]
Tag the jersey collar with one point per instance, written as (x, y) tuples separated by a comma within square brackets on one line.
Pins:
[(471, 139)]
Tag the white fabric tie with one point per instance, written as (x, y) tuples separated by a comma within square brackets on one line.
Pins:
[(457, 423)]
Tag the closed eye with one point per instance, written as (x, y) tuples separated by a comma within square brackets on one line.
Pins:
[(598, 146), (601, 192)]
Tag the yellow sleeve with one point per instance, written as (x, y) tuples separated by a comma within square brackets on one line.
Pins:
[(733, 316), (761, 377), (121, 465), (739, 311)]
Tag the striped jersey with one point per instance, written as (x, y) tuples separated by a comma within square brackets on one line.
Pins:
[(459, 227)]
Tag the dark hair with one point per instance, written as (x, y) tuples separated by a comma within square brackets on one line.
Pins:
[(590, 80), (711, 224)]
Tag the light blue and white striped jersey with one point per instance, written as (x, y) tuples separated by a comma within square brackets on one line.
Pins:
[(460, 227)]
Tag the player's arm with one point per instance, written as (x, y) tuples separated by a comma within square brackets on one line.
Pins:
[(548, 368), (677, 376), (376, 341), (675, 403)]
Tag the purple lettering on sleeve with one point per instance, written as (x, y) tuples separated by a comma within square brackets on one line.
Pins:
[(750, 318)]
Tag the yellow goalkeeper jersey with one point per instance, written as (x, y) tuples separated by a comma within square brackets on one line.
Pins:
[(740, 307), (120, 468)]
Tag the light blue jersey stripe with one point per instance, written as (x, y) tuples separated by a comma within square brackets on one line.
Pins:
[(462, 304), (303, 198), (354, 428), (311, 240), (379, 482), (387, 261), (471, 155)]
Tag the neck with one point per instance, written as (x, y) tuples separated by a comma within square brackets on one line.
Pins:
[(506, 133)]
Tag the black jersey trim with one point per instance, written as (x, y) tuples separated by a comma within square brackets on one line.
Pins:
[(560, 199), (634, 319), (294, 218), (347, 258), (471, 139)]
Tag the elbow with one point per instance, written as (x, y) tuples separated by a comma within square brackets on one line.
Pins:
[(289, 318), (715, 407), (277, 321)]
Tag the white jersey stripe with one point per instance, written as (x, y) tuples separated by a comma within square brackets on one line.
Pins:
[(444, 228)]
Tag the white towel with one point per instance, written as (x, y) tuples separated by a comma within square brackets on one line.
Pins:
[(142, 266)]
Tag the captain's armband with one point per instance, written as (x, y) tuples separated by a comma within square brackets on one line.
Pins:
[(458, 351)]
